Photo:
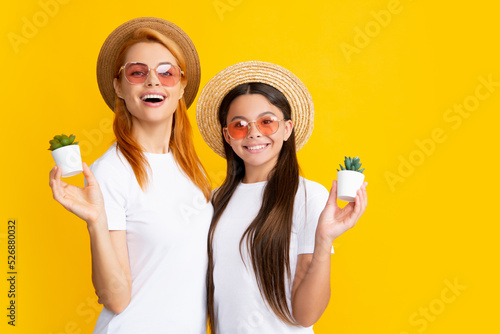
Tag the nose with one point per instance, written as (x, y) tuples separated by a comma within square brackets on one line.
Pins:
[(253, 131), (152, 79)]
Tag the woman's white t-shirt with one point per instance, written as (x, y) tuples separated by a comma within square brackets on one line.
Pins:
[(167, 228), (239, 306)]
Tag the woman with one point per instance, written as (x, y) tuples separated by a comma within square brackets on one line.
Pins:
[(148, 229), (272, 231)]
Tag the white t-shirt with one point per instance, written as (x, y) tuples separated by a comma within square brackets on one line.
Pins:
[(167, 229), (239, 306)]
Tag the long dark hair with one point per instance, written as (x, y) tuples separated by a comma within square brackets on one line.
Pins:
[(268, 236)]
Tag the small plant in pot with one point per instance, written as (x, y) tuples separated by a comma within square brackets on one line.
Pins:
[(66, 154), (349, 179)]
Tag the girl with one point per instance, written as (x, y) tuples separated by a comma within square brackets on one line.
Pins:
[(149, 227), (271, 235)]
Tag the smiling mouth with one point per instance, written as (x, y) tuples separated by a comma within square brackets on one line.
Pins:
[(256, 147), (153, 98)]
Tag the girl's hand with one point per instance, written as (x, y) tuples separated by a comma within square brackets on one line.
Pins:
[(87, 202), (334, 221)]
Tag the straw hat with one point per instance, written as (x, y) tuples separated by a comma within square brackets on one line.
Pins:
[(119, 36), (286, 82)]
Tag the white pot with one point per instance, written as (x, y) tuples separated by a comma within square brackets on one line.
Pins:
[(69, 159), (348, 183)]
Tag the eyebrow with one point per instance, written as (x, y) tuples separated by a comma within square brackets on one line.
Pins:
[(166, 62), (158, 64), (260, 115)]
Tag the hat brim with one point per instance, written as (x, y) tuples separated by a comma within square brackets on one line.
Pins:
[(122, 34), (286, 82)]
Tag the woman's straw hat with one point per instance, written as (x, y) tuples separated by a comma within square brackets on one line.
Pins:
[(286, 82), (119, 36)]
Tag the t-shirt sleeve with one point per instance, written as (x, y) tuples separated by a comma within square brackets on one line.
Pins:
[(113, 182), (315, 200)]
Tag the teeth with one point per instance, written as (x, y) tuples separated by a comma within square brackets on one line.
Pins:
[(152, 96), (258, 147)]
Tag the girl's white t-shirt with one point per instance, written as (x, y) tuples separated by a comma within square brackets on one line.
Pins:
[(167, 228), (239, 306)]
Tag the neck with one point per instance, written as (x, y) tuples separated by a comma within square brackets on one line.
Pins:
[(260, 173), (153, 137)]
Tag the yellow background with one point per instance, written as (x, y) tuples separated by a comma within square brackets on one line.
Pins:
[(433, 226)]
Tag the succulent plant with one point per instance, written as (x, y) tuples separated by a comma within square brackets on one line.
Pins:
[(351, 164), (60, 141)]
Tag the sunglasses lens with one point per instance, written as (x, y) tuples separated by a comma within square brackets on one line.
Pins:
[(268, 125), (136, 72), (168, 74), (238, 129)]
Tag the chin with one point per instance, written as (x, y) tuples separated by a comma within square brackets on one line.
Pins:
[(255, 161)]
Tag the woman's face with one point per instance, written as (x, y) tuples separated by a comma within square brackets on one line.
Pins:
[(136, 96), (255, 149)]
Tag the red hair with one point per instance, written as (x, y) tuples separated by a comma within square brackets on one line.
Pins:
[(181, 141)]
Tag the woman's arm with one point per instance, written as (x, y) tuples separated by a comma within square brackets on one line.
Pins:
[(311, 285), (110, 265)]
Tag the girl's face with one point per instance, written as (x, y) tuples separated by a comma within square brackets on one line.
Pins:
[(149, 101), (255, 149)]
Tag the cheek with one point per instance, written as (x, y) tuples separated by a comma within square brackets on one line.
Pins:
[(279, 136), (278, 145), (235, 144), (278, 140), (127, 92), (175, 92)]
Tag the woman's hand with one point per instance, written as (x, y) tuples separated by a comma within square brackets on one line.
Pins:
[(87, 202), (334, 220)]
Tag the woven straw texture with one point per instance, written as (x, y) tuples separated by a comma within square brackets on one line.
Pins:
[(112, 44), (253, 71)]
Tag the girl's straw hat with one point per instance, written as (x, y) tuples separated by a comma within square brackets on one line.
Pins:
[(286, 82), (119, 36)]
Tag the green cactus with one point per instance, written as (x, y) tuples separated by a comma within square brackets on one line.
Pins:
[(60, 141), (351, 164)]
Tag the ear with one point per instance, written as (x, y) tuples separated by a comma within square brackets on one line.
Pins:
[(182, 92), (183, 83), (288, 129), (226, 136), (118, 88)]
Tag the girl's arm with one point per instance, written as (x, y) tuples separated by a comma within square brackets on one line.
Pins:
[(311, 285), (110, 265)]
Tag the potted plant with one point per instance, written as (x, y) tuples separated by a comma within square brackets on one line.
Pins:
[(349, 179), (66, 154)]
